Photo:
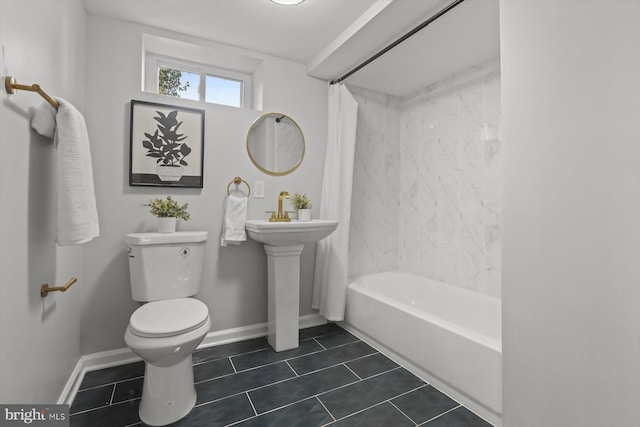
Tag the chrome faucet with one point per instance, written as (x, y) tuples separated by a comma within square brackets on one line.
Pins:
[(280, 216)]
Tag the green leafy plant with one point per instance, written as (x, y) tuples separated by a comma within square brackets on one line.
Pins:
[(301, 201), (166, 144), (169, 82), (168, 208)]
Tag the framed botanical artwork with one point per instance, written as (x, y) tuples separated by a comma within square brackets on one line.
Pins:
[(167, 145)]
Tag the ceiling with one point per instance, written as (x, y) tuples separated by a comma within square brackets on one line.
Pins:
[(333, 36)]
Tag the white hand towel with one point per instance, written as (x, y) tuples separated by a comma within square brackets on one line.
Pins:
[(44, 120), (235, 216), (76, 211)]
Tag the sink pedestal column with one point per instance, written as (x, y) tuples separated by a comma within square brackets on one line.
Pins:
[(283, 265)]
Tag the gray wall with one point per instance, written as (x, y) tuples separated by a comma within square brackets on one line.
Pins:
[(572, 202), (40, 42)]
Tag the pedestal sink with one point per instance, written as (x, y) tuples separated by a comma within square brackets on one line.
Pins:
[(283, 243)]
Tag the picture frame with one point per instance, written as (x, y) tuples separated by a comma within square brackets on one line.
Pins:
[(166, 145)]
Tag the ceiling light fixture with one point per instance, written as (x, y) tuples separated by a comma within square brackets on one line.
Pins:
[(288, 2)]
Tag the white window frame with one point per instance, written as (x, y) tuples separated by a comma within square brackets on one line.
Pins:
[(154, 61)]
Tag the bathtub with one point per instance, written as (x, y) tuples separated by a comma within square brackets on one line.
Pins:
[(449, 336)]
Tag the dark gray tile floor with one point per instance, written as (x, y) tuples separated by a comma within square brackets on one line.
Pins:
[(332, 379)]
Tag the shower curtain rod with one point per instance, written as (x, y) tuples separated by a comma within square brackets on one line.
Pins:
[(400, 40)]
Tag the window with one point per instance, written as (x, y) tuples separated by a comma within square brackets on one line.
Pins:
[(198, 82), (220, 90)]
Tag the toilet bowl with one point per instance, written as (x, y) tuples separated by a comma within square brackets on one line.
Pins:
[(165, 334)]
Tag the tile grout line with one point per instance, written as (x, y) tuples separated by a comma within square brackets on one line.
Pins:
[(300, 400), (257, 366), (287, 362), (89, 410), (279, 382), (267, 347), (291, 367), (359, 411), (318, 342), (401, 411), (251, 402), (256, 388), (326, 409), (349, 361), (113, 392), (235, 371), (319, 394), (384, 401), (338, 364), (245, 391), (110, 383), (323, 348), (438, 416), (103, 406), (351, 370)]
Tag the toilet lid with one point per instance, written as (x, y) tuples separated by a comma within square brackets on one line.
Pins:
[(168, 317)]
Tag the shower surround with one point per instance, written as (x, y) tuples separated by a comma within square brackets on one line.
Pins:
[(427, 196)]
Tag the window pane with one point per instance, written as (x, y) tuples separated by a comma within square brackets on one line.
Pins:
[(224, 91), (181, 84)]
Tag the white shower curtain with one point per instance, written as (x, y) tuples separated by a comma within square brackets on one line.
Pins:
[(330, 281)]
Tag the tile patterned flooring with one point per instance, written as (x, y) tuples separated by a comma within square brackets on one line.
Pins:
[(332, 379)]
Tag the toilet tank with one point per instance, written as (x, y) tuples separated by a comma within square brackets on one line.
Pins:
[(165, 265)]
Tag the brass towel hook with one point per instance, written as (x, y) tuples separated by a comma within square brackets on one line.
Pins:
[(11, 86), (45, 289)]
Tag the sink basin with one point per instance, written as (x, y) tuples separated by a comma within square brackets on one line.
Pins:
[(289, 233)]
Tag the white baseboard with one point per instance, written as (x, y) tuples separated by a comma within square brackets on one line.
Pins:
[(122, 356)]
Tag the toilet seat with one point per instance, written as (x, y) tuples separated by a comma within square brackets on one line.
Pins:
[(168, 318)]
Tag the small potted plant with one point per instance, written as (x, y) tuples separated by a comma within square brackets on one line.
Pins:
[(167, 146), (303, 206), (168, 211)]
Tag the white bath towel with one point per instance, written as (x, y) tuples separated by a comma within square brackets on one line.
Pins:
[(76, 212), (233, 223)]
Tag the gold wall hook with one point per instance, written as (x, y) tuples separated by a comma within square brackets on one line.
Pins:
[(45, 289)]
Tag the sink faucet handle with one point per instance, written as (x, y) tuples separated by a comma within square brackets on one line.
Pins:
[(286, 213), (273, 214)]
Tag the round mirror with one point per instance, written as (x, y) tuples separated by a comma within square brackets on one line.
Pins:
[(275, 144)]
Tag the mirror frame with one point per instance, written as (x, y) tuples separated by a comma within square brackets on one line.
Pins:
[(255, 162)]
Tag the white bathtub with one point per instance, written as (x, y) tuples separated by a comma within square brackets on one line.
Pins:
[(449, 336)]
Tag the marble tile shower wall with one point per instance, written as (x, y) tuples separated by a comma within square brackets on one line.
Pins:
[(374, 230), (427, 186), (451, 166)]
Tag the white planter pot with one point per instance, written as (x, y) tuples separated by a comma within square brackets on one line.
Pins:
[(169, 173), (304, 214), (166, 225)]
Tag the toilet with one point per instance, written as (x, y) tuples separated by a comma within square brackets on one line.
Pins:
[(166, 271)]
